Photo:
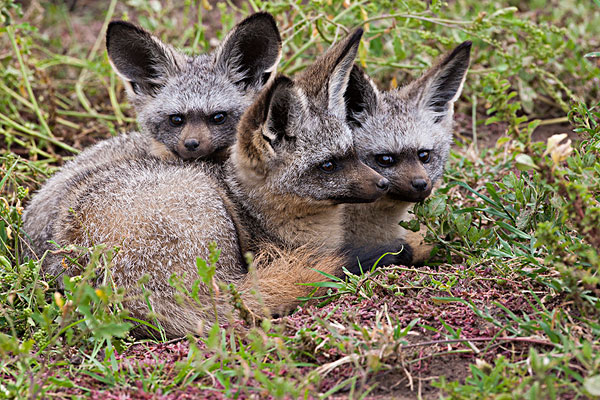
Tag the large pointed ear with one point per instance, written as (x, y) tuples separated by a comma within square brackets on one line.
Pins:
[(250, 53), (282, 106), (441, 86), (265, 124), (327, 78), (140, 59), (360, 96), (338, 81)]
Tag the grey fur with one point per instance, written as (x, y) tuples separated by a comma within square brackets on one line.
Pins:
[(401, 123), (162, 82), (41, 213), (273, 172), (163, 214), (168, 82)]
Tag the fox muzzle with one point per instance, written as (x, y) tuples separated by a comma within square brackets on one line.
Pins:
[(194, 143), (366, 185)]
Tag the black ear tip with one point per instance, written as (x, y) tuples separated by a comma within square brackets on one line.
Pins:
[(121, 24), (351, 41), (120, 27), (461, 53), (464, 47), (282, 80), (262, 17), (356, 35), (110, 29)]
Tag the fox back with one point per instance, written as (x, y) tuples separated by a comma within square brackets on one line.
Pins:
[(405, 135)]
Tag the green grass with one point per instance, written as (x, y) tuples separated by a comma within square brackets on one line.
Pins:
[(510, 306)]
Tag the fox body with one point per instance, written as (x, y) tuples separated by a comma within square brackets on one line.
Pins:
[(405, 135), (279, 195), (188, 107)]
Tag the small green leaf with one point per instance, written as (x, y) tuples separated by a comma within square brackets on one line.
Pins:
[(4, 262), (502, 67), (61, 382), (412, 225), (437, 206), (502, 140), (335, 285), (525, 162)]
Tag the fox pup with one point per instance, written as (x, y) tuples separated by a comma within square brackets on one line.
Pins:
[(279, 195), (405, 135), (188, 107)]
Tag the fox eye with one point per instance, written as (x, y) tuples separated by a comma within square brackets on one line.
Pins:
[(385, 160), (218, 118), (424, 156), (176, 120), (328, 166)]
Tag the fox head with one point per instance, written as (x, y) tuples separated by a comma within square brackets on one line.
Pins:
[(294, 140), (191, 105), (406, 134)]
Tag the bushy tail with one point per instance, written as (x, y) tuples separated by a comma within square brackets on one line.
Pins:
[(271, 288), (277, 281), (278, 277)]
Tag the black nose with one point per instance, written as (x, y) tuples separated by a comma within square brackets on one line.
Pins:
[(419, 184), (191, 144), (383, 184)]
